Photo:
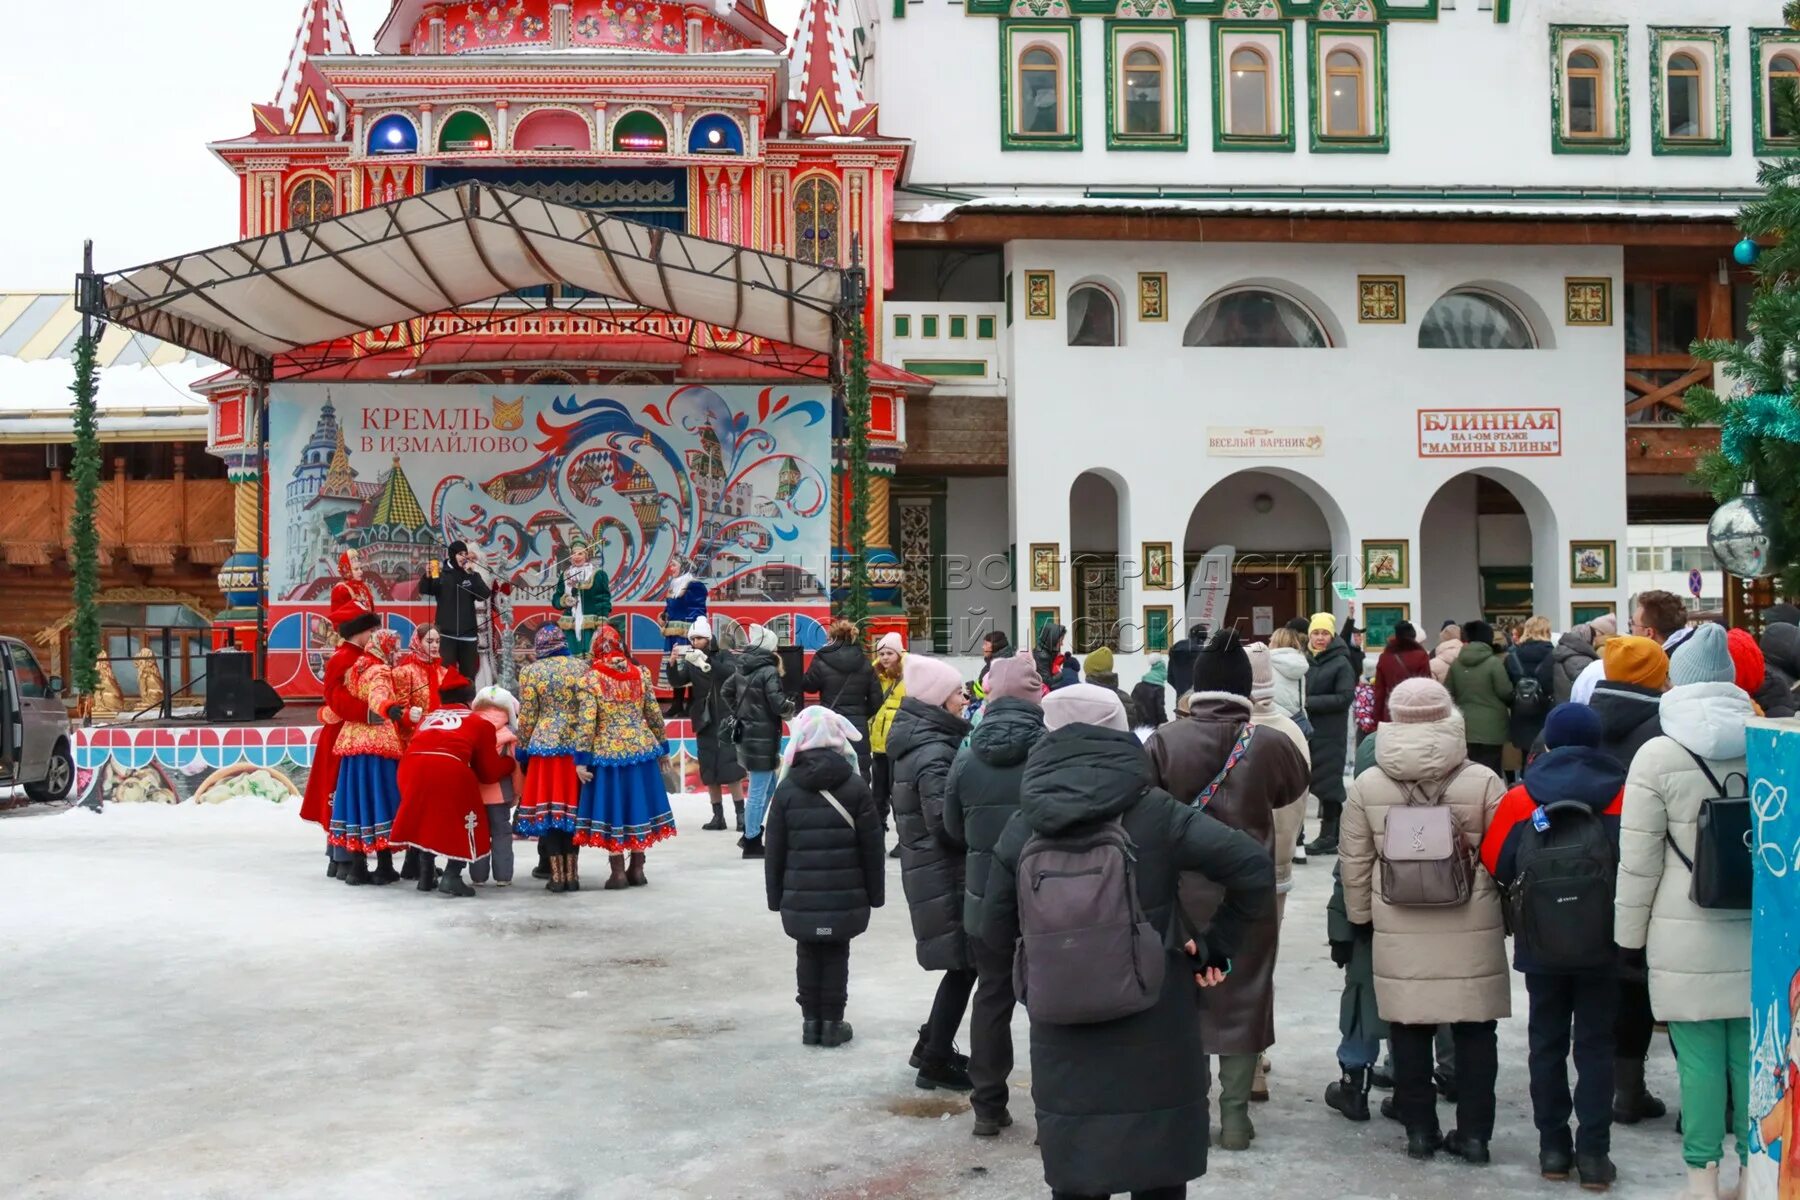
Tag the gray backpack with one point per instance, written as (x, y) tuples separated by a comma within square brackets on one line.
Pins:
[(1425, 860), (1086, 952)]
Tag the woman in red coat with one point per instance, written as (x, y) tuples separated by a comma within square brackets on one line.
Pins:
[(355, 625), (442, 811), (1401, 660)]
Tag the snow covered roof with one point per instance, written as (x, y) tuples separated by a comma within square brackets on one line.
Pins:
[(1719, 210), (266, 297)]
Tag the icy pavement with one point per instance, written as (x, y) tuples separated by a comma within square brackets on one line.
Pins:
[(191, 1009)]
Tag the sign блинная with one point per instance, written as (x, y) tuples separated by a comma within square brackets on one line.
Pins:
[(1490, 432)]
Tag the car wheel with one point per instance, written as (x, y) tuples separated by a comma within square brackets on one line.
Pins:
[(59, 780)]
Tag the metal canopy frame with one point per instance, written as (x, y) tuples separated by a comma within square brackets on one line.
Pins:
[(284, 305)]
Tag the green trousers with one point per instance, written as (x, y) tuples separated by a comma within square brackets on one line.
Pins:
[(1713, 1058)]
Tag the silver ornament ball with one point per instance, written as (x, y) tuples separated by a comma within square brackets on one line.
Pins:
[(1741, 536)]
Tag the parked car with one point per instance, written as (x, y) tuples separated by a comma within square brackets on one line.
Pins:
[(35, 749)]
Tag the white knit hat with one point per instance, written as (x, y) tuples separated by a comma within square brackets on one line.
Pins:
[(700, 628), (763, 638), (499, 697)]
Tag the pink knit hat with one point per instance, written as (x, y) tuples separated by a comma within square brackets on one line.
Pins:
[(929, 680), (1419, 702), (1015, 677), (890, 641)]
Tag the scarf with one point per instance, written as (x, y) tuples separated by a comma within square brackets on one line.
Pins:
[(621, 679)]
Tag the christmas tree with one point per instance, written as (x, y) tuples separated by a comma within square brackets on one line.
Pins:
[(1759, 420)]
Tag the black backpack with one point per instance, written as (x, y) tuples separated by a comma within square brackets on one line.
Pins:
[(1721, 862), (1529, 700), (1560, 904)]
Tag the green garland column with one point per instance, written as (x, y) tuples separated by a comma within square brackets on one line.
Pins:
[(84, 538), (856, 414)]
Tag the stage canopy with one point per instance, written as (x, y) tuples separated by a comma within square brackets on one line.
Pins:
[(252, 302)]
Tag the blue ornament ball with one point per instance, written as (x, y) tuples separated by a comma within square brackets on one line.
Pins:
[(1745, 252)]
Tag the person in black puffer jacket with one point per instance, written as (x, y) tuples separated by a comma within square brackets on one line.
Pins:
[(754, 694), (1781, 659), (1122, 1105), (825, 867), (981, 796), (1530, 659), (922, 743), (1056, 666), (703, 668), (1330, 690), (1629, 699), (841, 676)]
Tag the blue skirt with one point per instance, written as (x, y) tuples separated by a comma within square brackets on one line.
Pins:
[(625, 808), (367, 797)]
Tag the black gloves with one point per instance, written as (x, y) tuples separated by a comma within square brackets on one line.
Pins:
[(1342, 953), (394, 712), (1633, 965)]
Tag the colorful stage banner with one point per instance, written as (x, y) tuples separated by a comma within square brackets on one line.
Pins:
[(731, 483), (1774, 757)]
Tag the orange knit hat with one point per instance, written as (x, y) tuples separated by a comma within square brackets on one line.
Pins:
[(1636, 660)]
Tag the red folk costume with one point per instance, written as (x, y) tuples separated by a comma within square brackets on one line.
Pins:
[(368, 755), (349, 593), (453, 753), (341, 706), (418, 682)]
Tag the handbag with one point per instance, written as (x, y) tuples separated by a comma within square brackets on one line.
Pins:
[(671, 776), (1721, 867)]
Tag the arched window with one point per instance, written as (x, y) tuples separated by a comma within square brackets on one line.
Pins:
[(1784, 74), (393, 134), (816, 221), (553, 129), (1255, 317), (1251, 102), (1040, 91), (1346, 92), (1681, 102), (311, 200), (1143, 91), (1093, 316), (1584, 112), (715, 133), (464, 132), (640, 133), (1468, 319)]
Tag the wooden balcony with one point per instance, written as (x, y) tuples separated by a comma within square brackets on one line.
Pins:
[(145, 523)]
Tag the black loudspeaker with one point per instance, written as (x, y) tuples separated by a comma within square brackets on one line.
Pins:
[(233, 693), (793, 669)]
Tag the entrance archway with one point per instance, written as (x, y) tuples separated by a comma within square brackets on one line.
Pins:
[(1099, 593), (1487, 549), (1291, 540)]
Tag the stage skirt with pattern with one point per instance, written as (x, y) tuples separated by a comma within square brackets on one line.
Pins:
[(367, 797), (625, 808), (551, 797)]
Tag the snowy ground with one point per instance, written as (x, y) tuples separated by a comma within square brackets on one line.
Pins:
[(193, 1010)]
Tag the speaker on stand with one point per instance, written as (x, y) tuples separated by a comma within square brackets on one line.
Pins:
[(233, 693)]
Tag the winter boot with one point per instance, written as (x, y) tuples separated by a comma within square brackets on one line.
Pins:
[(1632, 1101), (331, 868), (451, 882), (542, 870), (1350, 1094), (959, 1061), (1423, 1143), (753, 847), (718, 817), (835, 1033), (617, 880), (991, 1126), (572, 870), (559, 880), (739, 806), (809, 1031), (942, 1073), (634, 874), (409, 866), (1596, 1172), (1556, 1155), (356, 872), (427, 872), (384, 868), (1327, 841), (1702, 1183), (1470, 1149), (1235, 1074)]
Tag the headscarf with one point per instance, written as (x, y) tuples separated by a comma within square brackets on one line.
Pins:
[(549, 642), (621, 679), (416, 647), (384, 644)]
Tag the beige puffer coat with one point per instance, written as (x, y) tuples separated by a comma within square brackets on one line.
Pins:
[(1288, 818), (1444, 657), (1432, 965), (1699, 958)]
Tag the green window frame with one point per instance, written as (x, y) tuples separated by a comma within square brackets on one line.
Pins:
[(1279, 90), (1663, 40), (1565, 40), (1765, 44), (984, 329), (902, 325), (1168, 41), (1369, 42), (1063, 40), (959, 327), (928, 325)]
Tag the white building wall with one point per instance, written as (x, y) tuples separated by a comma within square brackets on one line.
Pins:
[(1667, 538), (1469, 102), (978, 593), (1140, 411)]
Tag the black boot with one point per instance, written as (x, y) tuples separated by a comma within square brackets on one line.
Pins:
[(1350, 1094), (427, 871), (809, 1031), (355, 872), (384, 868), (1596, 1171), (836, 1033), (1423, 1143), (1632, 1101), (739, 805), (718, 817), (943, 1074), (1556, 1157), (409, 866), (753, 847), (959, 1061), (1471, 1150), (542, 870), (991, 1126), (1327, 841), (331, 868), (450, 882)]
